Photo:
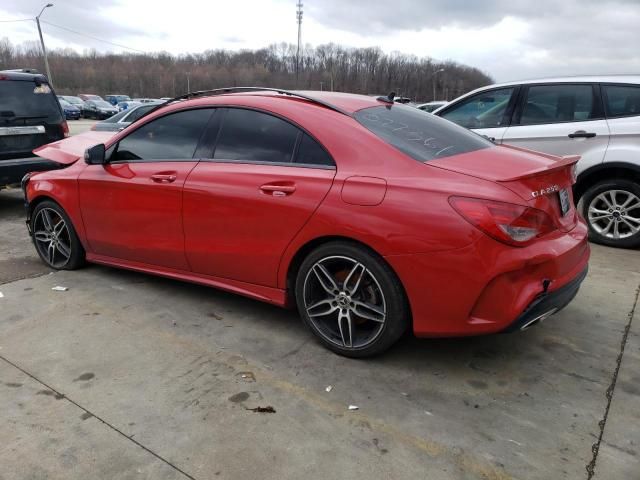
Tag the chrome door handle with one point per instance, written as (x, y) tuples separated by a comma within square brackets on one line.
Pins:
[(163, 177), (278, 190)]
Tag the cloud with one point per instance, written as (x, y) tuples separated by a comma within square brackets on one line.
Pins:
[(509, 39)]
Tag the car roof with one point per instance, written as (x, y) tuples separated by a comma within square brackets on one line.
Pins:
[(347, 102), (9, 75), (575, 79)]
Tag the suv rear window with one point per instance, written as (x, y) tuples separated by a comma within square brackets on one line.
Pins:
[(22, 98), (420, 135)]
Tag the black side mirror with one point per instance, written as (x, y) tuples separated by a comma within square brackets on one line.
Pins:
[(95, 155)]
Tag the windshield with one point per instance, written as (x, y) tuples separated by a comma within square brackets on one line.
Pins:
[(422, 137), (102, 104), (64, 103), (19, 98), (117, 117)]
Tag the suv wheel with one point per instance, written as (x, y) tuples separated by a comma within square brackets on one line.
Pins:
[(351, 300), (612, 211)]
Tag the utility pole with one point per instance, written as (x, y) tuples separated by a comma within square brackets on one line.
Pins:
[(188, 82), (299, 19), (321, 83), (433, 78), (44, 50)]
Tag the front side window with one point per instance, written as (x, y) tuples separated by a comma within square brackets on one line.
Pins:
[(254, 136), (421, 136), (622, 100), (558, 103), (174, 136), (483, 110)]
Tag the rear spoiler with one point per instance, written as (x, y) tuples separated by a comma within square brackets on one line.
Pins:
[(561, 162)]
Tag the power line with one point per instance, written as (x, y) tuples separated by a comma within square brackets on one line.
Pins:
[(92, 37), (21, 20)]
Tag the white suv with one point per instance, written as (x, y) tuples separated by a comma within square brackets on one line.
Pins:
[(595, 117)]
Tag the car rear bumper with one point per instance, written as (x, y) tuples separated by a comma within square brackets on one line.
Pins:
[(547, 304), (487, 287), (12, 171)]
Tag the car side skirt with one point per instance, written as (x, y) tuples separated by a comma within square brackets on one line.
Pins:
[(259, 292)]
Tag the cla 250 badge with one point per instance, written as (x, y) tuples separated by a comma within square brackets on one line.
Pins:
[(545, 191)]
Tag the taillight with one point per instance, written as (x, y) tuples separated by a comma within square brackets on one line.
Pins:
[(65, 129), (516, 225)]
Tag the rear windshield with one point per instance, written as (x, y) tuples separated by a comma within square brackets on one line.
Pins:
[(420, 135), (23, 99)]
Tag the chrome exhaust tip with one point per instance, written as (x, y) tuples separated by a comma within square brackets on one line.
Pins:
[(538, 319)]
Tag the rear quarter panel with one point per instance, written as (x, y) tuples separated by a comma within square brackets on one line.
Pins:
[(624, 144)]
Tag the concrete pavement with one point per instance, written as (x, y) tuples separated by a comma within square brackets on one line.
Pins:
[(130, 376)]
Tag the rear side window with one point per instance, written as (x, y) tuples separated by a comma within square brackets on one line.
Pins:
[(622, 100), (172, 137), (420, 135), (482, 110), (254, 136), (558, 103), (25, 100), (311, 153)]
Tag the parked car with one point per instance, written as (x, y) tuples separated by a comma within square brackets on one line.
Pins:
[(99, 109), (127, 105), (30, 116), (123, 118), (71, 112), (89, 96), (75, 101), (595, 117), (433, 105), (116, 99), (146, 100), (369, 215)]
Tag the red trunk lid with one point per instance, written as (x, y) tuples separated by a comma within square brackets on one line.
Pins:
[(536, 177)]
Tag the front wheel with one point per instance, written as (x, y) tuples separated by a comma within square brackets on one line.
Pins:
[(351, 300), (55, 238), (612, 211)]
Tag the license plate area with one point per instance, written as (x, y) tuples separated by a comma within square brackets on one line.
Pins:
[(565, 202)]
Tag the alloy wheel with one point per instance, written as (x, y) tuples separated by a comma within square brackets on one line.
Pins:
[(615, 214), (52, 237), (344, 302)]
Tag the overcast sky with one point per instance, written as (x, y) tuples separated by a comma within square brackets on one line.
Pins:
[(508, 39)]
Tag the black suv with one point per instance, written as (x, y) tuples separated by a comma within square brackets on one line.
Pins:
[(30, 116)]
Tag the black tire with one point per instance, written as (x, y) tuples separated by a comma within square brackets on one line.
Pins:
[(377, 286), (597, 223), (65, 237)]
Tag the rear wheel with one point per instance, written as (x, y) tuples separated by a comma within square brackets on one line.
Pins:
[(55, 238), (612, 211), (351, 300)]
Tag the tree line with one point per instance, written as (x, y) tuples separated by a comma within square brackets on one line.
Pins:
[(325, 67)]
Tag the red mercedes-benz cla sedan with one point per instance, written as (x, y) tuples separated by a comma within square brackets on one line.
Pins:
[(372, 217)]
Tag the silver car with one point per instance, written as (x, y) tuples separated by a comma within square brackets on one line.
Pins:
[(122, 119), (597, 118)]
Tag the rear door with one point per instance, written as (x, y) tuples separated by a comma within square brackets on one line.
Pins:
[(245, 204), (132, 207), (561, 119), (622, 103), (486, 113)]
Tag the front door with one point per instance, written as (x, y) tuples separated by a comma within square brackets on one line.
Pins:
[(132, 206), (486, 113)]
